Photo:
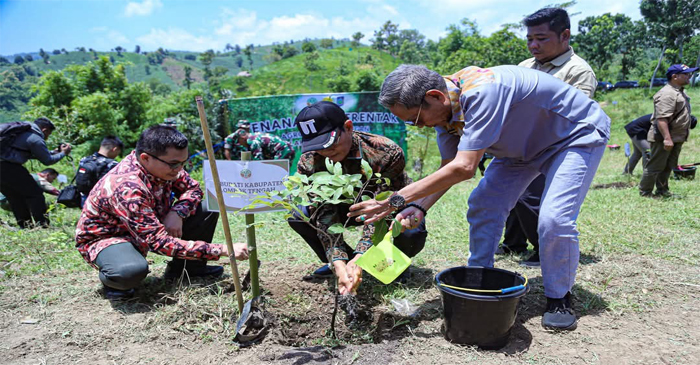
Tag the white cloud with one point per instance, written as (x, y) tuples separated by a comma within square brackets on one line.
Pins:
[(245, 27), (142, 9), (177, 39), (108, 38)]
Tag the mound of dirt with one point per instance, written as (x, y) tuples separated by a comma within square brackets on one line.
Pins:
[(300, 313)]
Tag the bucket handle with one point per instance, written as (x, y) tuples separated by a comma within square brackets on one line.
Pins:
[(501, 291)]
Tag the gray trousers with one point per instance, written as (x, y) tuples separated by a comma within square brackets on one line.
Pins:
[(640, 146), (123, 267), (568, 175), (658, 168)]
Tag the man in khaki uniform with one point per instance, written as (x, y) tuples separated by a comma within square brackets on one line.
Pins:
[(548, 35), (669, 129)]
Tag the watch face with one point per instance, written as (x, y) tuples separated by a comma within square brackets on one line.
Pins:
[(397, 201)]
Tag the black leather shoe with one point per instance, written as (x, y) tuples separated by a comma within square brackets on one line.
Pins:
[(505, 250), (195, 268), (559, 315), (116, 294), (322, 272), (532, 261)]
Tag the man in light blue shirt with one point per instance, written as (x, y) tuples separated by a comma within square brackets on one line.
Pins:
[(533, 124)]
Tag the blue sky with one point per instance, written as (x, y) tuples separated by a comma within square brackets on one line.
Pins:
[(27, 25)]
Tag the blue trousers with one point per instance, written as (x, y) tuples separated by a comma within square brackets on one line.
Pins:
[(568, 175)]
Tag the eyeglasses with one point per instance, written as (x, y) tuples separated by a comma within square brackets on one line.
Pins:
[(172, 165), (417, 116)]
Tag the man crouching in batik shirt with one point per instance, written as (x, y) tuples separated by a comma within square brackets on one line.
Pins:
[(131, 212)]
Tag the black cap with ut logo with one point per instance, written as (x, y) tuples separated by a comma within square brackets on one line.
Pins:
[(319, 125)]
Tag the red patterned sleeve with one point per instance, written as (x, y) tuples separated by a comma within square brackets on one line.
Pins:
[(135, 210), (188, 194)]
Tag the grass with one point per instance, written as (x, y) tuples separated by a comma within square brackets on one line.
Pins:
[(638, 254)]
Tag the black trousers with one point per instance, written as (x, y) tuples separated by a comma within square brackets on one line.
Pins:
[(123, 267), (410, 242), (24, 195), (521, 224)]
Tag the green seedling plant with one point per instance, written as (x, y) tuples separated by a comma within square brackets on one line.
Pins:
[(331, 187), (324, 188)]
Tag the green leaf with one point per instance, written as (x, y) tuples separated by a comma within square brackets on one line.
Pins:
[(350, 190), (338, 169), (383, 195), (366, 169), (396, 229), (387, 181), (365, 198), (380, 229), (329, 165), (336, 228), (378, 175)]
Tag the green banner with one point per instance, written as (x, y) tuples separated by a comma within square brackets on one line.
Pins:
[(275, 115)]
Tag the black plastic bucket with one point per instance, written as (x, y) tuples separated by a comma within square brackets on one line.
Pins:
[(475, 318)]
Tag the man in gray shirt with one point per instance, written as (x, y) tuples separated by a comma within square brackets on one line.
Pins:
[(24, 195)]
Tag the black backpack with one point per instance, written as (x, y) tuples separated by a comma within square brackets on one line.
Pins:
[(90, 170), (9, 132)]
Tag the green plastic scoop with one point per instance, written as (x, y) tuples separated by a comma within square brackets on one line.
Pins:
[(384, 261)]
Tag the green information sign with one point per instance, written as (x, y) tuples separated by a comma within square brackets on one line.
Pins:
[(275, 115)]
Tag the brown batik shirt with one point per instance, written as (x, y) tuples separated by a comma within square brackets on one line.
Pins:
[(385, 157)]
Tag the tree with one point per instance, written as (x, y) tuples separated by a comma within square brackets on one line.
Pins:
[(63, 50), (219, 71), (228, 47), (308, 47), (19, 60), (339, 84), (600, 38), (56, 51), (28, 58), (326, 43), (206, 58), (44, 55), (4, 61), (248, 51), (356, 39), (137, 49), (188, 77), (119, 50), (368, 80), (190, 57), (290, 51), (237, 49), (240, 83), (672, 22), (386, 38), (310, 61), (239, 62)]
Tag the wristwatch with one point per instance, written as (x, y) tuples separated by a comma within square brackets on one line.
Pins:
[(397, 201), (181, 214)]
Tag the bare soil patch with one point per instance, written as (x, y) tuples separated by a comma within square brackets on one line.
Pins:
[(634, 310)]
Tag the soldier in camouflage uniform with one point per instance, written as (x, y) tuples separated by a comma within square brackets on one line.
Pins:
[(262, 146), (328, 133)]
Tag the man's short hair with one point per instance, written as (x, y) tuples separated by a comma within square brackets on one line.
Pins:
[(407, 85), (111, 142), (157, 139), (49, 171), (44, 123), (556, 18)]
